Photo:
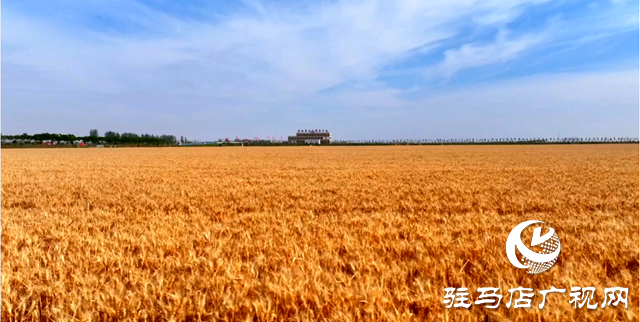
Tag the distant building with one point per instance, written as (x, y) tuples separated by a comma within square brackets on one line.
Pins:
[(311, 137)]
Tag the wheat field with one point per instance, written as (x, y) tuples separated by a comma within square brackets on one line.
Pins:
[(310, 233)]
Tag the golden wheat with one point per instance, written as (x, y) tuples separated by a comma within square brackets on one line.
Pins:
[(310, 233)]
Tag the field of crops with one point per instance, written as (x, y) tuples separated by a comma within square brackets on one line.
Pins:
[(310, 233)]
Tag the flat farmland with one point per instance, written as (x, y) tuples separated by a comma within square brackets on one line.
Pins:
[(310, 233)]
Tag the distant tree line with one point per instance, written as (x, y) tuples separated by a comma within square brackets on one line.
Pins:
[(490, 141), (110, 137), (494, 141), (128, 138)]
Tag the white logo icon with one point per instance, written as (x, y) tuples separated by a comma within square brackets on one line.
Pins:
[(536, 262)]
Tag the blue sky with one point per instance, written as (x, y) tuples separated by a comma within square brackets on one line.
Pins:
[(363, 69)]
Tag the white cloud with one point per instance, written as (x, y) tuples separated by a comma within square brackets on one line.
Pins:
[(469, 55), (303, 51), (274, 59)]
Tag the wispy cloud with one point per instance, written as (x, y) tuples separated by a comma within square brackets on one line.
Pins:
[(259, 62), (502, 49)]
